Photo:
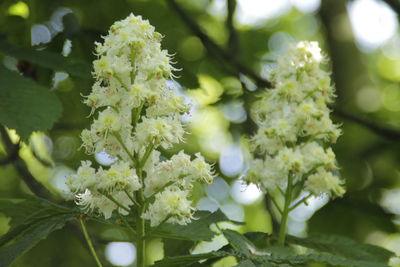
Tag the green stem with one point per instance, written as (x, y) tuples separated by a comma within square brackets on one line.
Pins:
[(124, 147), (281, 191), (132, 58), (131, 198), (146, 155), (115, 201), (286, 210), (133, 231), (136, 112), (121, 82), (89, 243), (140, 226), (276, 204), (298, 203)]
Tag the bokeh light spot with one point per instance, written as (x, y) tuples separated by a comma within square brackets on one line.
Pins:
[(40, 34), (19, 9), (192, 49), (121, 253), (373, 23), (391, 98), (368, 99), (245, 194), (231, 160)]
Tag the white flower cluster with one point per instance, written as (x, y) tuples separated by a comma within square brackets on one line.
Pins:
[(137, 114), (294, 127)]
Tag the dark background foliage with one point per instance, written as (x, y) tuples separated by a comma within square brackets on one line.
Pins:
[(222, 62)]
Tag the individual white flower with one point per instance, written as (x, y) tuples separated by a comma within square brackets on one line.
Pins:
[(84, 178), (171, 205), (97, 202), (164, 131), (323, 182), (118, 177)]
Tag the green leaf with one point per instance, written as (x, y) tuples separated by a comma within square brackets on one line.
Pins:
[(286, 256), (30, 237), (343, 246), (239, 242), (48, 59), (327, 258), (25, 105), (174, 247), (31, 221), (197, 230), (188, 259), (246, 263)]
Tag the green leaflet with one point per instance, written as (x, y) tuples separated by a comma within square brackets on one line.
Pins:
[(197, 230), (239, 242), (328, 249), (324, 257), (47, 59), (30, 238), (343, 246), (188, 260), (246, 263), (31, 221), (25, 105)]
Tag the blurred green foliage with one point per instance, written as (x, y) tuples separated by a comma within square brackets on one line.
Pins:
[(368, 154)]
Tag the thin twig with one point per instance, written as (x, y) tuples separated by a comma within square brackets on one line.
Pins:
[(211, 45), (233, 39), (20, 165), (388, 133)]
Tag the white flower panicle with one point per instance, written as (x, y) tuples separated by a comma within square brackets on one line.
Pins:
[(294, 127), (136, 114)]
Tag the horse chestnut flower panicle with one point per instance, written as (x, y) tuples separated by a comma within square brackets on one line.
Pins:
[(136, 114), (294, 127)]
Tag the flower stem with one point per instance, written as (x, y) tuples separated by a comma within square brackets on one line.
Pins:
[(298, 203), (140, 226), (89, 243), (118, 136), (276, 204), (110, 197), (146, 155), (285, 212)]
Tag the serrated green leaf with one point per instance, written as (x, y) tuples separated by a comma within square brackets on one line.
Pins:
[(25, 105), (343, 246), (323, 257), (239, 242), (31, 221), (197, 230), (48, 59), (260, 239), (173, 247), (25, 213), (246, 263), (30, 237), (188, 259)]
